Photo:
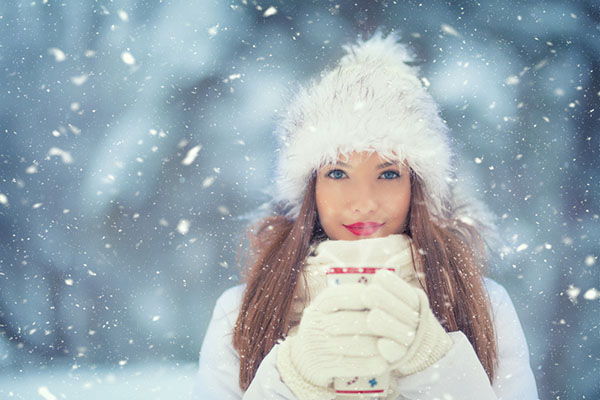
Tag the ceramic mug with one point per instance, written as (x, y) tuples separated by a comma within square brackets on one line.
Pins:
[(368, 387)]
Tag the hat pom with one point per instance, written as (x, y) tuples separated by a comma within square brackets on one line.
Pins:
[(381, 50)]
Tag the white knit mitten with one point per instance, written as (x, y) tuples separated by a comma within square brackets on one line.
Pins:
[(412, 339), (332, 340)]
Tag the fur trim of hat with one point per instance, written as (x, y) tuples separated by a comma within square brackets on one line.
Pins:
[(371, 101)]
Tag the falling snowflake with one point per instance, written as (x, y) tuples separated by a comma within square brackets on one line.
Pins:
[(591, 294), (45, 393), (183, 226), (79, 80), (590, 260), (449, 30), (127, 58), (573, 292), (270, 12), (64, 155), (123, 16), (512, 80), (191, 155), (213, 30), (223, 210), (75, 130), (58, 54), (208, 181), (522, 246)]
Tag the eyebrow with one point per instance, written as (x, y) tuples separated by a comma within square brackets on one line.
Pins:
[(380, 166), (386, 164)]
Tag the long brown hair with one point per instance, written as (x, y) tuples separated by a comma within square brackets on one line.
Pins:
[(451, 252)]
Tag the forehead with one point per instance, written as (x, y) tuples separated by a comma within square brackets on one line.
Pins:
[(366, 158), (363, 157)]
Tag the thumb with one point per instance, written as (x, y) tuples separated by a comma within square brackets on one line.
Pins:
[(391, 350)]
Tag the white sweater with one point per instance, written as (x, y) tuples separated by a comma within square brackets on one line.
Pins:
[(459, 375)]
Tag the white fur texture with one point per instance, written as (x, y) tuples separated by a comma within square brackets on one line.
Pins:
[(372, 101)]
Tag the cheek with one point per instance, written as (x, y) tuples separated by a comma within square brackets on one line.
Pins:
[(326, 200), (398, 205), (329, 207)]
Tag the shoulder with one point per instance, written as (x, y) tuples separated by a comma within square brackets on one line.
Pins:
[(504, 313), (223, 320), (497, 294), (514, 377), (509, 332), (229, 301), (231, 297)]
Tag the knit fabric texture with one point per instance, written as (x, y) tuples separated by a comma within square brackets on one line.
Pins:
[(430, 344), (427, 340), (303, 389)]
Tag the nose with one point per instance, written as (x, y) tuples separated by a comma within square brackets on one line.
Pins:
[(362, 200)]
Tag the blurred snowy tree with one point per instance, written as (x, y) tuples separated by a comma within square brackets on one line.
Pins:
[(136, 135)]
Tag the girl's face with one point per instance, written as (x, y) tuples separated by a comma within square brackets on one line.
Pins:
[(362, 196)]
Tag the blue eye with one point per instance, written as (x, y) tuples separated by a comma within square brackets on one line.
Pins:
[(336, 174), (390, 175)]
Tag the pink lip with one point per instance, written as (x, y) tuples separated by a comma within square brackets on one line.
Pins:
[(364, 228)]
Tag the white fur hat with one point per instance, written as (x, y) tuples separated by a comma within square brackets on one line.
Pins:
[(371, 101)]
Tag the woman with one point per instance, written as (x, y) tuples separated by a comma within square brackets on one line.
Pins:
[(363, 180)]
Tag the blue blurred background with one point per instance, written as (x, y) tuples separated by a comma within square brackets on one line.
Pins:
[(136, 137)]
